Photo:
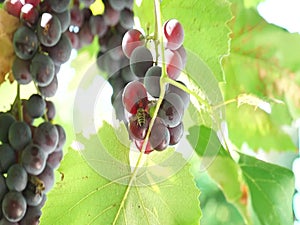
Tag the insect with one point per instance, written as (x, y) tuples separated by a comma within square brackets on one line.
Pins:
[(141, 117)]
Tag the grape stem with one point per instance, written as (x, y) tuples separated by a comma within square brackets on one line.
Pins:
[(157, 36), (18, 97)]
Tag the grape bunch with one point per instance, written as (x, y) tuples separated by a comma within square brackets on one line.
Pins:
[(40, 43), (140, 96), (29, 154)]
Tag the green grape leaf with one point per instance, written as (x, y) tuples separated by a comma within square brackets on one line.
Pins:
[(256, 188), (85, 196), (263, 61), (270, 189), (204, 23)]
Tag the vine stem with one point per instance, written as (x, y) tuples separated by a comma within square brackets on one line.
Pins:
[(19, 103), (158, 36)]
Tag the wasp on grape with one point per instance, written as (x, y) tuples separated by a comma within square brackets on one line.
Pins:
[(141, 117)]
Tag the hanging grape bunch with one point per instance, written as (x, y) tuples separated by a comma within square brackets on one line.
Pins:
[(141, 96), (31, 145)]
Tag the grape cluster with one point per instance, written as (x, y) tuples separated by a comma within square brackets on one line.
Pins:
[(28, 157), (140, 96), (40, 43)]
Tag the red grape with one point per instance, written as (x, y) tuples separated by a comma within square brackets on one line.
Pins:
[(132, 39), (173, 33)]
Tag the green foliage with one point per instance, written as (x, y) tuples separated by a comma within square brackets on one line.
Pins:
[(262, 192), (86, 197), (263, 61)]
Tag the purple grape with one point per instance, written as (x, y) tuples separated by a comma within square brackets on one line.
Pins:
[(46, 136), (25, 43), (185, 97), (114, 44), (111, 16), (4, 221), (35, 106), (42, 69), (58, 5), (159, 137), (50, 110), (48, 29), (14, 206), (85, 34), (7, 157), (19, 135), (117, 4), (47, 177), (29, 15), (140, 61), (64, 19), (33, 159), (138, 125), (61, 137), (3, 189), (176, 133), (6, 121), (20, 70), (17, 177), (98, 26), (50, 89), (32, 216), (126, 18), (54, 159), (33, 198), (152, 81)]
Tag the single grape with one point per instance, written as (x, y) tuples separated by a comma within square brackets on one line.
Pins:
[(173, 34), (171, 110), (4, 221), (25, 42), (13, 7), (126, 18), (42, 69), (50, 89), (29, 15), (48, 29), (61, 52), (111, 16), (173, 63), (185, 97), (46, 136), (19, 135), (134, 97), (6, 121), (85, 34), (20, 70), (138, 125), (131, 40), (35, 106), (140, 61), (47, 177), (14, 206), (7, 157), (98, 26), (32, 216), (3, 188), (152, 81), (77, 17), (58, 5), (61, 137), (16, 179), (139, 145), (32, 197), (159, 137), (33, 159), (64, 19), (117, 4), (50, 110), (54, 159), (176, 133)]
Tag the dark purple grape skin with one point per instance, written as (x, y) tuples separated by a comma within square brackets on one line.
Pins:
[(32, 216), (126, 18), (54, 159), (58, 5), (33, 159), (140, 61), (111, 16), (47, 177), (50, 89), (152, 81), (14, 206), (159, 137), (25, 43), (19, 135), (64, 19), (4, 221), (98, 26), (35, 106), (127, 74), (6, 120), (3, 188), (77, 17), (32, 197), (61, 52), (7, 157), (50, 110), (85, 34), (17, 177), (114, 44), (185, 97), (61, 137), (48, 29), (171, 110), (42, 69), (46, 136), (176, 133), (117, 4), (20, 70)]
